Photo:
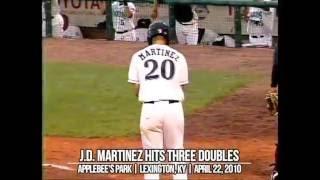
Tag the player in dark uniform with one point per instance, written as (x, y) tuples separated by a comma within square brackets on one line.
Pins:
[(274, 88), (274, 75)]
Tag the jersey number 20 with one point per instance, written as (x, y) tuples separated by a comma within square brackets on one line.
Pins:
[(151, 75)]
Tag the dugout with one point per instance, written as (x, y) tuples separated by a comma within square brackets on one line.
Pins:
[(94, 17)]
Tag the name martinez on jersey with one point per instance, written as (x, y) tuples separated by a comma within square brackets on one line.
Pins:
[(159, 52)]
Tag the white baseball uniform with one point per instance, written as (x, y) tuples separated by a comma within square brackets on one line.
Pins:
[(73, 32), (212, 38), (160, 71), (56, 22), (260, 26), (209, 37), (43, 21), (142, 34), (57, 26), (123, 25), (187, 32)]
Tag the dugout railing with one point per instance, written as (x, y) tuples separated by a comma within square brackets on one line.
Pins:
[(237, 5)]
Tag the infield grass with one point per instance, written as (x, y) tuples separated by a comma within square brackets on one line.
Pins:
[(86, 100)]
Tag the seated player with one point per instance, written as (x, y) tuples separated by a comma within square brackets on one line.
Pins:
[(212, 38), (70, 31)]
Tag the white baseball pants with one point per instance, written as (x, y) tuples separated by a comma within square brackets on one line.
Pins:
[(187, 34), (162, 127), (128, 36)]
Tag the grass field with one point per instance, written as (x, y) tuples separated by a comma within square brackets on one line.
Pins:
[(86, 100)]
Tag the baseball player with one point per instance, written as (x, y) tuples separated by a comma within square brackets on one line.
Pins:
[(123, 13), (57, 26), (159, 74), (274, 74), (43, 20), (70, 31), (274, 88), (57, 21), (186, 24), (260, 25), (202, 11)]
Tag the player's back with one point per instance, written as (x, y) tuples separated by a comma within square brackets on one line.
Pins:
[(160, 70)]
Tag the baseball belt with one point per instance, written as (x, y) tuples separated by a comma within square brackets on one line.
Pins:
[(187, 24), (170, 101), (121, 32)]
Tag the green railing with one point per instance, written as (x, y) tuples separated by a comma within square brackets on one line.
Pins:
[(47, 6)]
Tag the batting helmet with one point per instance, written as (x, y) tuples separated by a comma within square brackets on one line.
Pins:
[(158, 28)]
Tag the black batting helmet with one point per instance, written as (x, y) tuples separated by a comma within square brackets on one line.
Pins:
[(158, 28)]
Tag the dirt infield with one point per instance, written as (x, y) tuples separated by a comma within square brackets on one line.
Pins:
[(239, 121), (119, 53)]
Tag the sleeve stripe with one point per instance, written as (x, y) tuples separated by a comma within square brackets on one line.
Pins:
[(133, 81), (184, 82)]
